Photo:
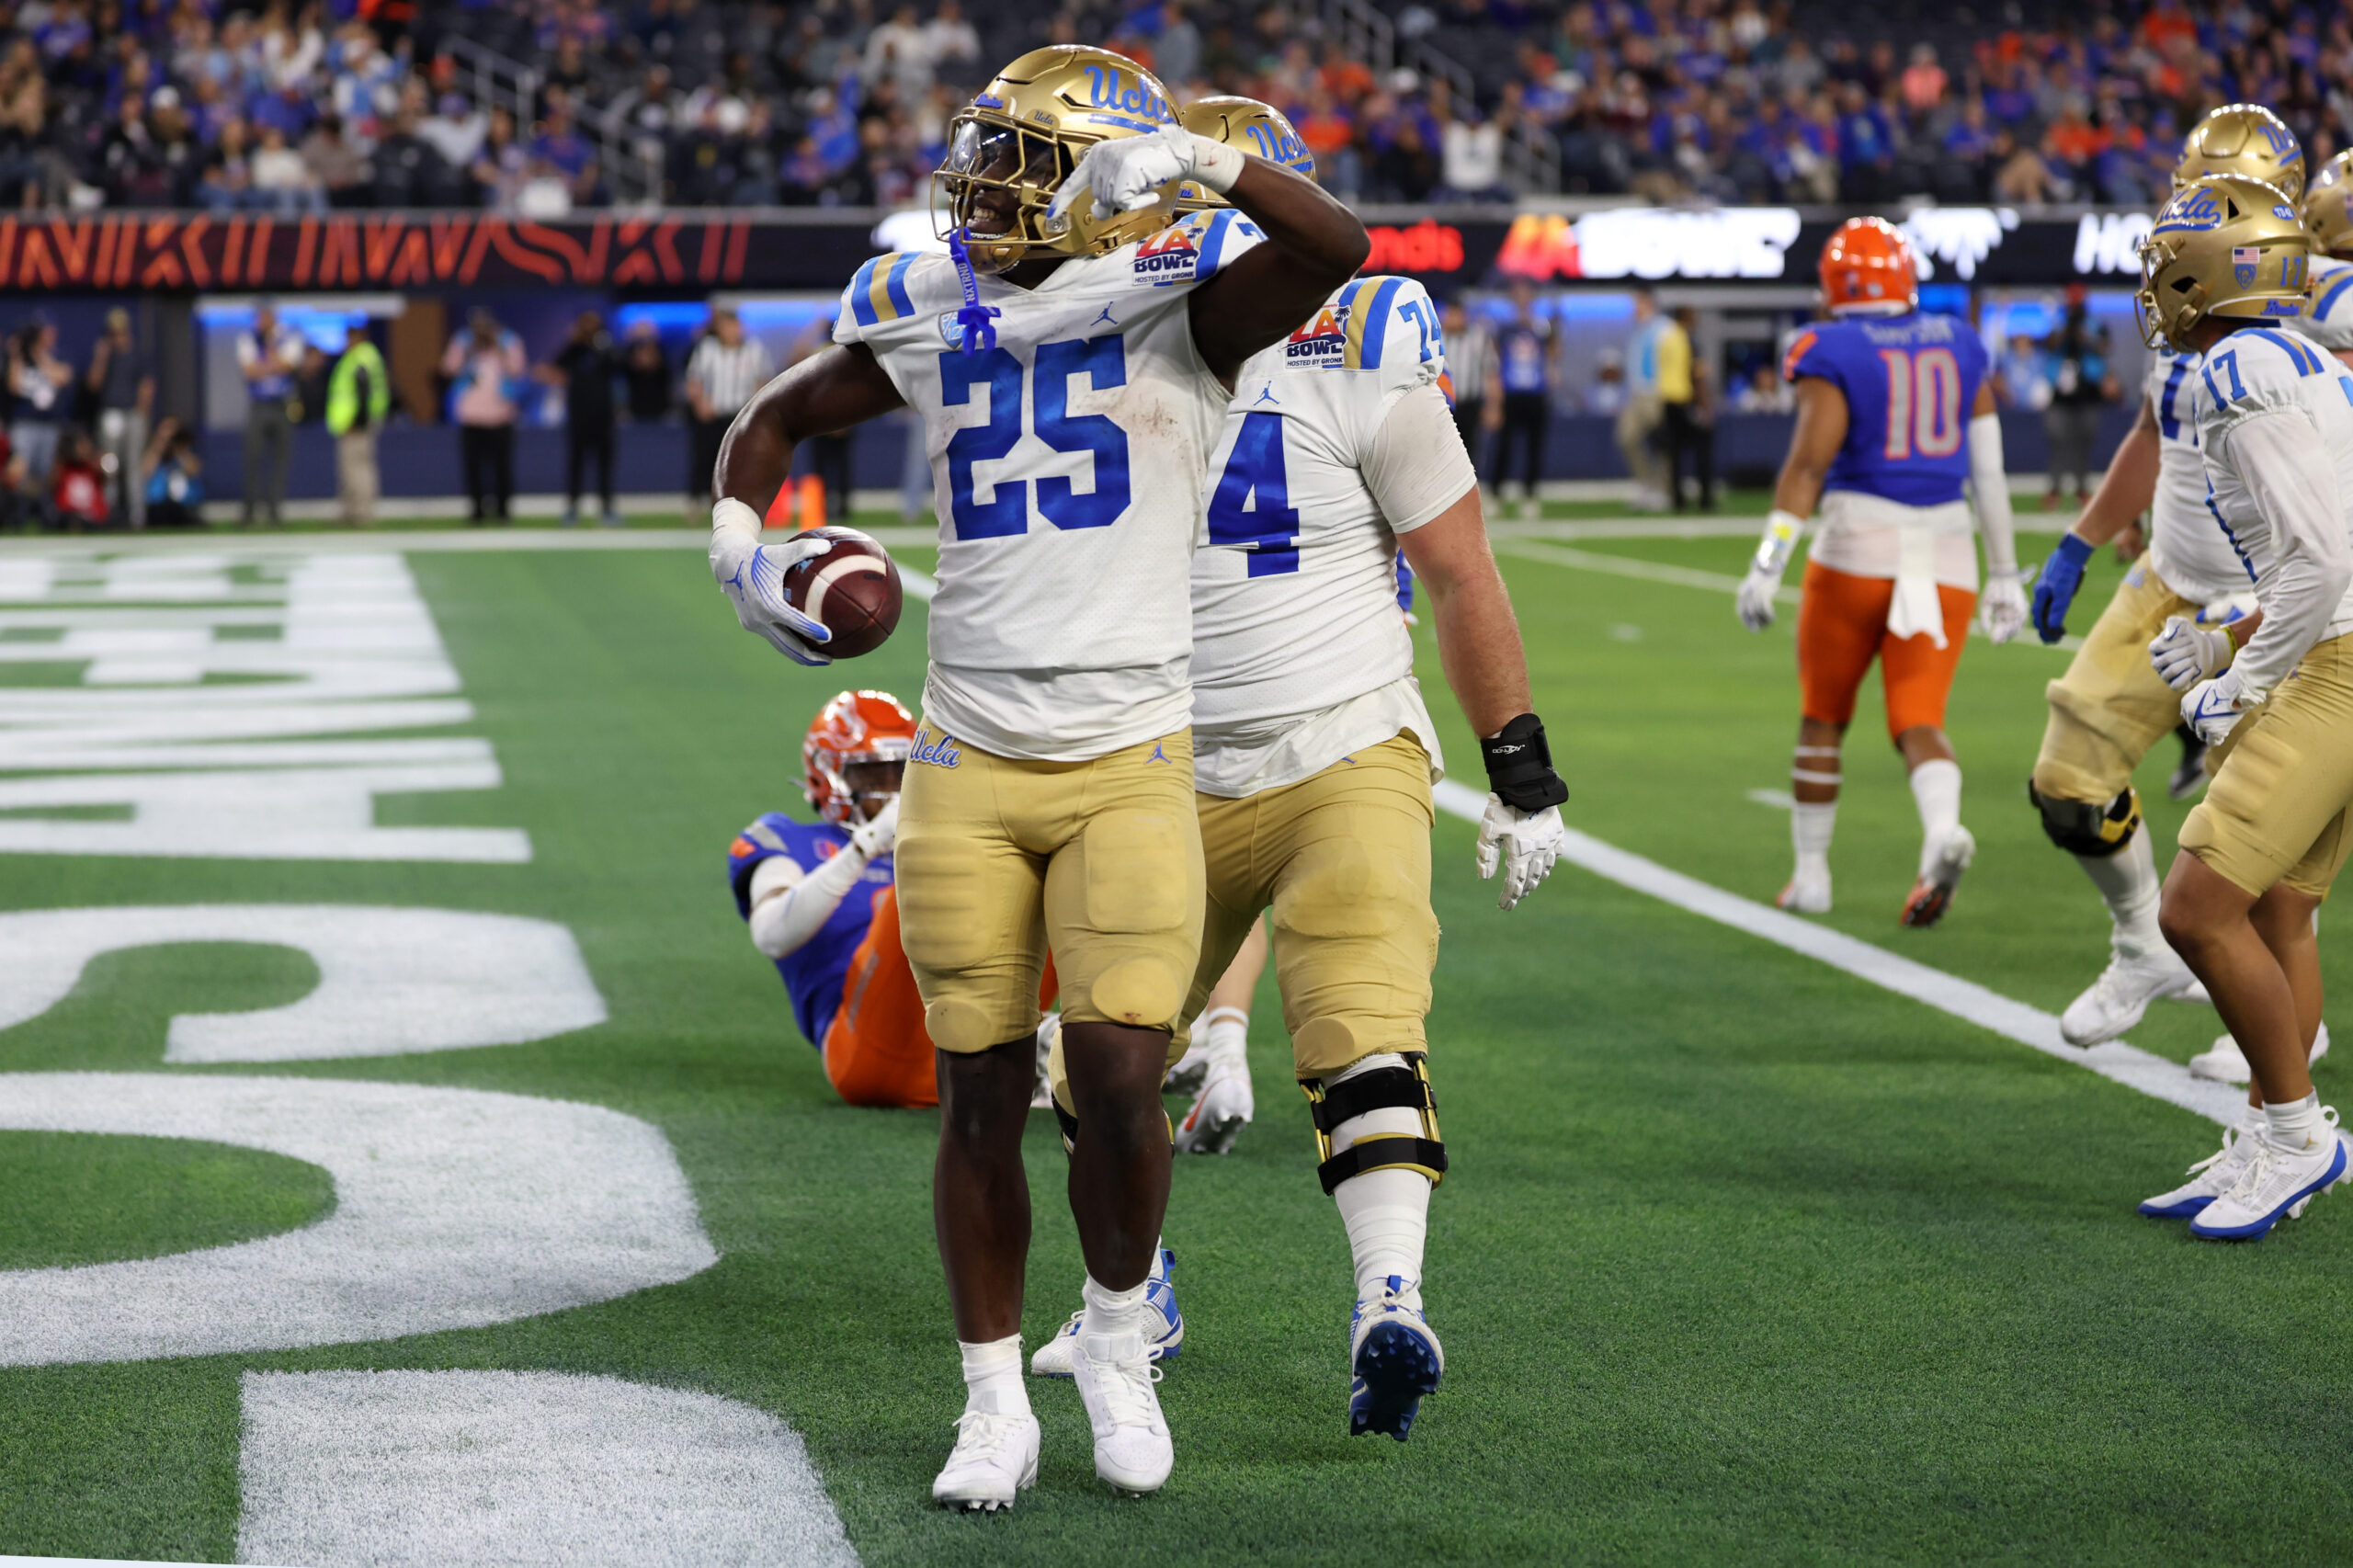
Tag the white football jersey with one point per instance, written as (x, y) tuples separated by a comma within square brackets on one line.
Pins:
[(2187, 549), (1300, 654), (2258, 371), (1067, 465), (2329, 322)]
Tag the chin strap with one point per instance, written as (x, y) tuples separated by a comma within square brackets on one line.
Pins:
[(975, 319)]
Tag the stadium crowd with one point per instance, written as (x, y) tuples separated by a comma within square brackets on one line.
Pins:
[(293, 107)]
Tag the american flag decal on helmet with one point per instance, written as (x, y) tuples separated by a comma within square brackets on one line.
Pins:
[(2244, 261)]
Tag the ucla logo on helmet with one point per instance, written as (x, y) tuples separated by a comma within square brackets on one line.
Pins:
[(2194, 209), (1108, 88), (2282, 139), (1276, 145)]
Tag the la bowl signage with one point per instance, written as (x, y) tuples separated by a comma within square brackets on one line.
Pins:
[(1652, 243)]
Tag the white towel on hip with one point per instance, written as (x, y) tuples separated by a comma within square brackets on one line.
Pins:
[(1916, 609)]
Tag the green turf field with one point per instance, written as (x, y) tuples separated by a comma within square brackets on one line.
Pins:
[(1740, 1259)]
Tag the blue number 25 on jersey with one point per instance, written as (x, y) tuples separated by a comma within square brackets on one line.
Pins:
[(1104, 362)]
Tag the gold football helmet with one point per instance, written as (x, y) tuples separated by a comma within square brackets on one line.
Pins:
[(2329, 206), (2224, 246), (2243, 139), (1011, 149), (1246, 123)]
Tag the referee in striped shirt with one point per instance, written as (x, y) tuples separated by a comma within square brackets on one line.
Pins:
[(723, 373)]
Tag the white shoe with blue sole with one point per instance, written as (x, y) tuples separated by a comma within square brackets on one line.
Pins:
[(1396, 1360), (1166, 1324), (2211, 1176), (2275, 1185)]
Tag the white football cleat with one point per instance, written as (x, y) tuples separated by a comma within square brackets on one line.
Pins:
[(1041, 1097), (2225, 1063), (1115, 1374), (1184, 1078), (2214, 1175), (1166, 1323), (2195, 993), (2115, 1001), (1806, 895), (995, 1455), (1932, 894), (1223, 1109), (2276, 1184), (1394, 1359)]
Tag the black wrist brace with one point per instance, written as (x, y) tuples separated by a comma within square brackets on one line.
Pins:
[(1519, 766)]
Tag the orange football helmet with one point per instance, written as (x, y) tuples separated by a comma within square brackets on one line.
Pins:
[(855, 755), (1868, 269)]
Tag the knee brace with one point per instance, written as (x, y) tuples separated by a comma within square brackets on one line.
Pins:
[(1404, 1088), (2081, 828)]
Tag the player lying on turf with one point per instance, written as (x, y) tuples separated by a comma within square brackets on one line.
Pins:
[(1895, 415), (2272, 693), (1314, 754), (2110, 707), (1067, 359), (819, 901)]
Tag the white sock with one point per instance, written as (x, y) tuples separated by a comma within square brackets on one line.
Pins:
[(1112, 1313), (1386, 1212), (1810, 828), (1936, 788), (993, 1376), (2128, 882), (1224, 1034), (2297, 1126)]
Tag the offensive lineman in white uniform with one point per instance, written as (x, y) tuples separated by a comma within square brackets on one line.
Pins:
[(2272, 693), (1314, 754), (1069, 358), (2109, 707)]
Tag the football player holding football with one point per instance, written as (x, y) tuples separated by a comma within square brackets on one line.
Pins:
[(1313, 756), (1895, 417), (2110, 707), (2271, 692), (1069, 358)]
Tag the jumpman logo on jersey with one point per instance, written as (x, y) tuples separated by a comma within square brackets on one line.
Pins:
[(1106, 316), (1267, 394), (1157, 756)]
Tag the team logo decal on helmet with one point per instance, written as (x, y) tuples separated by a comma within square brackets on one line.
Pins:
[(2225, 246), (855, 755), (1246, 123), (1011, 149)]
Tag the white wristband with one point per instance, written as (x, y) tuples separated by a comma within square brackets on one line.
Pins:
[(731, 515), (1781, 531), (1215, 165)]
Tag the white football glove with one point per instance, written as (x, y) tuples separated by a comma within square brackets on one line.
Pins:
[(875, 839), (2211, 708), (2184, 653), (752, 576), (1523, 844), (1126, 174), (1755, 601), (2002, 612)]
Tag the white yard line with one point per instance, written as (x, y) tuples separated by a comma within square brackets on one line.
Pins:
[(1964, 999)]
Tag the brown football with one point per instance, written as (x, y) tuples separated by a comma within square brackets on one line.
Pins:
[(852, 590)]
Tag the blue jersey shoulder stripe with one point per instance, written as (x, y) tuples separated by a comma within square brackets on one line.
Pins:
[(897, 283), (1376, 322), (861, 295), (2327, 302), (2307, 362), (1214, 245)]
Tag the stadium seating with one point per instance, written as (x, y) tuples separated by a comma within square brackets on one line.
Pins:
[(543, 106)]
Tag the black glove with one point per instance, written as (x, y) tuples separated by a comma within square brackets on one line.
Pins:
[(1519, 766)]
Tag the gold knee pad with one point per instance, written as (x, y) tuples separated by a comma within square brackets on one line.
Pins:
[(1355, 942), (1124, 904), (973, 934), (1407, 1088)]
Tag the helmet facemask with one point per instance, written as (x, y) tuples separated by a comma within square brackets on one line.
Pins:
[(996, 182)]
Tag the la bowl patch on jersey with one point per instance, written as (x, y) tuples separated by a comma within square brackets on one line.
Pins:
[(1168, 256), (1322, 341)]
